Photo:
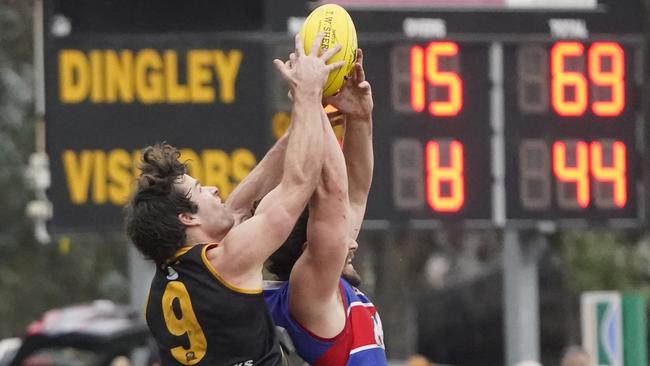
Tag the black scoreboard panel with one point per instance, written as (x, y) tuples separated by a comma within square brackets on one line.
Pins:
[(431, 129), (108, 96), (571, 115), (543, 106)]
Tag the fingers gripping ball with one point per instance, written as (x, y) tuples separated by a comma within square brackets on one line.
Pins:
[(337, 25)]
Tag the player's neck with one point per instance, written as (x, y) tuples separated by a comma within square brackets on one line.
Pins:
[(195, 236)]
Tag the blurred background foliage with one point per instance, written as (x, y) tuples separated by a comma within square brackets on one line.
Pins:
[(35, 277), (605, 260), (598, 260)]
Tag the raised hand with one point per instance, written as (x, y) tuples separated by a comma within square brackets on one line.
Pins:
[(355, 97), (308, 70)]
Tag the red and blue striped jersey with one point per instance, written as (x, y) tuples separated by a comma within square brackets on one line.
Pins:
[(361, 342)]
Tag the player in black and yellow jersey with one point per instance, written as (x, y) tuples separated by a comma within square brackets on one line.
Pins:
[(206, 305)]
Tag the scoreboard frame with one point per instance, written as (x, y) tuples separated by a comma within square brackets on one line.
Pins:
[(470, 43), (592, 140), (503, 29)]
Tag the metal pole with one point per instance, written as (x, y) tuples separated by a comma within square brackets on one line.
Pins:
[(521, 297), (497, 122), (39, 70), (38, 172), (39, 76)]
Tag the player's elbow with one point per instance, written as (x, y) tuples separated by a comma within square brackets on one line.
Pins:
[(334, 189), (329, 234), (358, 198), (360, 181), (334, 182), (306, 177), (332, 249), (359, 189)]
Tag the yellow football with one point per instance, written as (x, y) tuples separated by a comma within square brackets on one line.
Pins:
[(337, 25)]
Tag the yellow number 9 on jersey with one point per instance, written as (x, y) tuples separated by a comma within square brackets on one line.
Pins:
[(185, 324)]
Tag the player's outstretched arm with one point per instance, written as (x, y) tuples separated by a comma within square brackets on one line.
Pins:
[(261, 180), (355, 101), (247, 246), (314, 281)]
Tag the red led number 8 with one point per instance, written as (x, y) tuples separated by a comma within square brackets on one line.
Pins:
[(569, 86), (445, 180)]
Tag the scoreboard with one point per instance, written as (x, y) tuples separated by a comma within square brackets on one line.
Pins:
[(432, 130), (486, 112), (553, 124), (508, 118), (572, 110), (488, 131)]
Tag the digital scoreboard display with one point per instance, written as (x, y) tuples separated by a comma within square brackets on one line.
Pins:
[(506, 117), (571, 112), (567, 145), (494, 116), (432, 128)]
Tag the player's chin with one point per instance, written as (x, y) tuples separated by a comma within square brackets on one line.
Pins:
[(351, 275)]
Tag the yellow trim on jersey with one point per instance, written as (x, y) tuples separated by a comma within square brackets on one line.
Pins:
[(182, 250), (212, 270)]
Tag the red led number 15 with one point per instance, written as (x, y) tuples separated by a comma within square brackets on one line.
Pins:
[(426, 69)]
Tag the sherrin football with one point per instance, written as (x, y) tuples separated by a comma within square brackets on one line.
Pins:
[(337, 25)]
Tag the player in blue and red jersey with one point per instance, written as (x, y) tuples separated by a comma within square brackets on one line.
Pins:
[(329, 320)]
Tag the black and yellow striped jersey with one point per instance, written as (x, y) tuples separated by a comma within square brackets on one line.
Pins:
[(197, 318)]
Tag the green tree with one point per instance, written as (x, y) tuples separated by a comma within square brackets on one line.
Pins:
[(600, 261), (605, 260)]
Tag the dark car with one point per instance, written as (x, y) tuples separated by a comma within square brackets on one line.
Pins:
[(100, 333)]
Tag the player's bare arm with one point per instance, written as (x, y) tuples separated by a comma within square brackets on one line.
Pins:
[(314, 282), (356, 103), (245, 248), (315, 298), (261, 180)]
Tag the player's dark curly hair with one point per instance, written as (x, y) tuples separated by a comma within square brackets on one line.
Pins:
[(151, 217), (281, 262)]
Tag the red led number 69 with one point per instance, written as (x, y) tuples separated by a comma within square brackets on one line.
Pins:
[(569, 86)]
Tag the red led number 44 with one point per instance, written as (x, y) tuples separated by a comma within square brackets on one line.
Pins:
[(589, 161), (583, 172)]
